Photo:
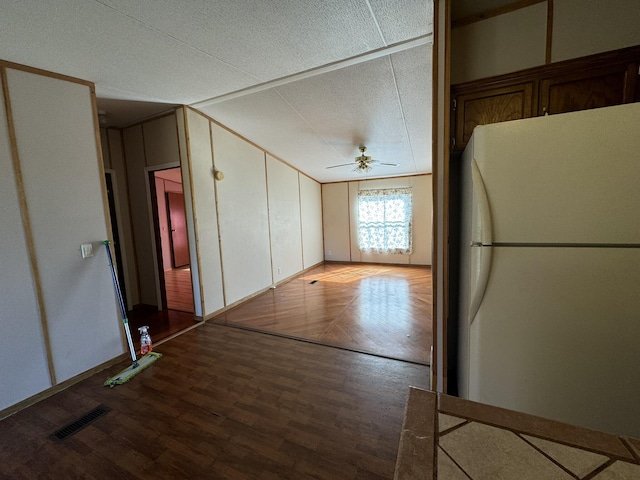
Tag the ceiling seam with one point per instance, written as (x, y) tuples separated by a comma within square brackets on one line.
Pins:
[(329, 67), (404, 120), (375, 20), (182, 42)]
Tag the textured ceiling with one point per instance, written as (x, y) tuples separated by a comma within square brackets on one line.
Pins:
[(320, 121), (148, 55)]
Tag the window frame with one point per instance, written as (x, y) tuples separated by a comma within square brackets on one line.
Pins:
[(387, 195)]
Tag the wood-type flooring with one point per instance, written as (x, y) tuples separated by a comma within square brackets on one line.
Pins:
[(179, 289), (162, 323), (223, 403), (380, 309), (176, 318)]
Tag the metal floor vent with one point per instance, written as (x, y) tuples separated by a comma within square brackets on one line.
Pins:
[(87, 419)]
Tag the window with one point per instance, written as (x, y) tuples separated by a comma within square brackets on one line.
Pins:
[(384, 220)]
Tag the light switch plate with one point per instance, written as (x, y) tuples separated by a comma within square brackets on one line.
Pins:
[(87, 250)]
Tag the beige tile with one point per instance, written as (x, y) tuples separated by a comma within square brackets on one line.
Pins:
[(604, 443), (620, 471), (445, 422), (578, 461), (489, 453), (447, 470)]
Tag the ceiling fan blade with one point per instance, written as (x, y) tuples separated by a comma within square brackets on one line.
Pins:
[(342, 165)]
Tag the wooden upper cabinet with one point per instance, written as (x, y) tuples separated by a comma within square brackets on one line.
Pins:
[(583, 90), (601, 80), (492, 105)]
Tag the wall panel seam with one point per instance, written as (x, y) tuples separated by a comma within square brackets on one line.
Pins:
[(215, 193), (26, 224), (301, 225), (193, 207), (266, 186)]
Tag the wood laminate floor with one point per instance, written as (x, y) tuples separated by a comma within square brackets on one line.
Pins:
[(162, 323), (179, 289), (380, 309), (223, 403)]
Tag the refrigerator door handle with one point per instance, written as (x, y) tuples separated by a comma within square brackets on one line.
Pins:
[(481, 229), (482, 269), (481, 242)]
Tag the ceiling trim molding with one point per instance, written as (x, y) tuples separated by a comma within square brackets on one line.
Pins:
[(329, 67)]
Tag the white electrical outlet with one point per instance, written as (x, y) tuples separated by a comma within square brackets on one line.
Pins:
[(279, 269), (87, 250)]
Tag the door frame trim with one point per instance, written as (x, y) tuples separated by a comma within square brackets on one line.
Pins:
[(154, 231)]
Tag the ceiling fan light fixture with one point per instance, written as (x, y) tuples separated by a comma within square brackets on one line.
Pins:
[(362, 167), (364, 163)]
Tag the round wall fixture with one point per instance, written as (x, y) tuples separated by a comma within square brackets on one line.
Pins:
[(218, 175)]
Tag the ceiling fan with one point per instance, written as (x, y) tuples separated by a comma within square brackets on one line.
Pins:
[(364, 163)]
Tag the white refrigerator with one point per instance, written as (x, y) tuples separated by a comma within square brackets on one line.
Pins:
[(549, 301)]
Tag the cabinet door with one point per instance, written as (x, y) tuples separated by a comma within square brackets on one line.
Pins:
[(584, 90), (491, 106)]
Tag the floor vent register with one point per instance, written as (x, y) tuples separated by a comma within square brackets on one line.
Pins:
[(77, 425)]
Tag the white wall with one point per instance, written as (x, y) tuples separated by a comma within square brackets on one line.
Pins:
[(64, 192), (153, 143), (335, 220), (243, 215), (260, 225), (199, 174), (185, 167), (57, 145), (585, 27), (135, 162), (340, 206), (20, 325), (517, 40), (506, 43), (160, 141), (113, 158), (284, 219), (311, 221)]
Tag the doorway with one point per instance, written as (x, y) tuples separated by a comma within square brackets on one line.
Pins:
[(172, 247)]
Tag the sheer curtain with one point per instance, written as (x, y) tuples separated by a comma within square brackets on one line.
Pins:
[(384, 220)]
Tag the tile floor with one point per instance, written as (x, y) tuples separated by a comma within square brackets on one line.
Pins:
[(469, 440)]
